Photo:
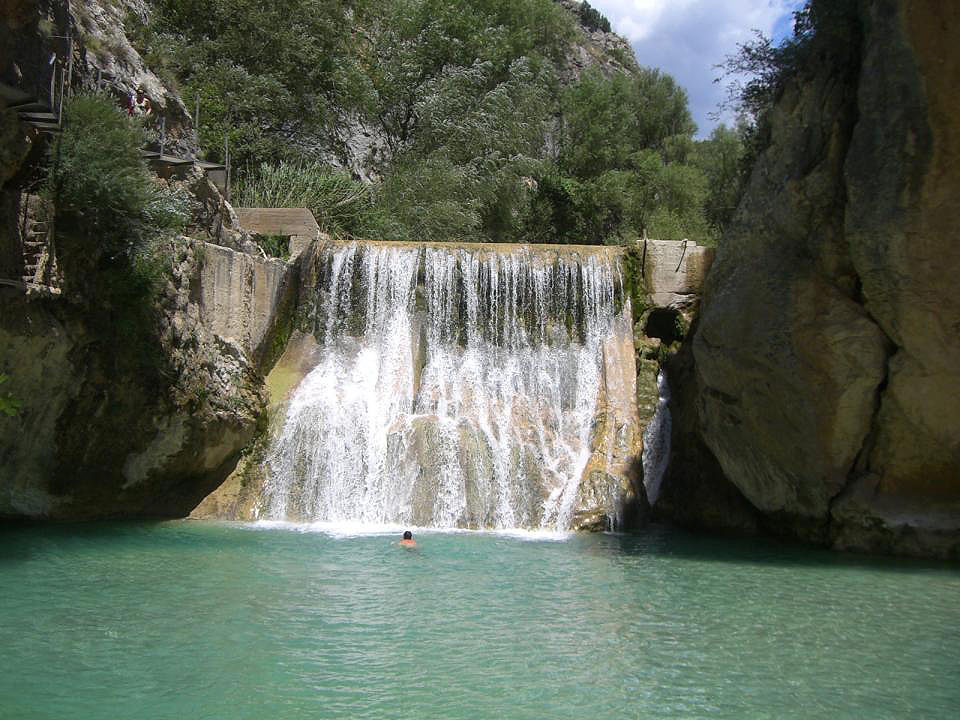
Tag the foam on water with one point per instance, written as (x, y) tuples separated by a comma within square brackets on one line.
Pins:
[(344, 530)]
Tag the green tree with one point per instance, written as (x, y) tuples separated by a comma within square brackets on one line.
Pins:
[(721, 159), (416, 42), (266, 73), (463, 176), (593, 18), (606, 120), (625, 142)]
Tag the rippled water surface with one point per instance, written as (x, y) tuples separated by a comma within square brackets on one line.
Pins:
[(194, 620)]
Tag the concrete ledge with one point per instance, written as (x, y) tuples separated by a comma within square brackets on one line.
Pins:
[(297, 223), (675, 271)]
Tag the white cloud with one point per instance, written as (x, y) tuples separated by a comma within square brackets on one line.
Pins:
[(688, 38)]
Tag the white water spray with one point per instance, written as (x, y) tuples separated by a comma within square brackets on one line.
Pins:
[(455, 388), (656, 441)]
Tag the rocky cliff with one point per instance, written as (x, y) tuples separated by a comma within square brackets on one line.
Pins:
[(112, 425), (827, 360), (125, 408)]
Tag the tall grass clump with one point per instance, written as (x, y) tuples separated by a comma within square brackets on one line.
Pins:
[(342, 205)]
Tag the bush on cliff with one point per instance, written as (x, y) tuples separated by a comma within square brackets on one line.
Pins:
[(107, 205), (592, 18), (110, 216), (760, 70)]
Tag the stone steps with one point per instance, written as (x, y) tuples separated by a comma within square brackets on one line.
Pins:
[(40, 275)]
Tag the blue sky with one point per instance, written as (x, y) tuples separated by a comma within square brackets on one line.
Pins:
[(687, 38)]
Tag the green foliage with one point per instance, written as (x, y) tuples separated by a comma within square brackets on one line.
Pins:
[(98, 181), (112, 222), (420, 41), (607, 120), (431, 201), (721, 158), (593, 18), (107, 205), (482, 142), (275, 246), (9, 405), (622, 167), (634, 283), (478, 139), (263, 71), (339, 202)]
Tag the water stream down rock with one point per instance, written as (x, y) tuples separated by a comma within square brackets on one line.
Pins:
[(461, 386)]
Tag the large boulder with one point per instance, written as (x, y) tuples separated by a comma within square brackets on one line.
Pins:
[(828, 354)]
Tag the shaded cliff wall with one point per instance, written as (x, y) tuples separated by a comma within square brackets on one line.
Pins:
[(111, 430), (828, 354)]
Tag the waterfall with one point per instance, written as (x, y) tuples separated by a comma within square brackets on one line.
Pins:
[(656, 441), (456, 387)]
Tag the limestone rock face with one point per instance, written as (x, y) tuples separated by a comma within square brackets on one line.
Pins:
[(611, 485), (828, 354), (101, 431), (106, 53)]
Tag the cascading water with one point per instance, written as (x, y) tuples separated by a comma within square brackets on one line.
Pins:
[(656, 441), (455, 388)]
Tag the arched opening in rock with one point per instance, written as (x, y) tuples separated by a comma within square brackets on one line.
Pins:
[(665, 324)]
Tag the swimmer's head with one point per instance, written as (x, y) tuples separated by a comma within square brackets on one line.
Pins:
[(407, 535)]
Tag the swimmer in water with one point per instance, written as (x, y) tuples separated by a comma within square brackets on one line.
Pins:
[(408, 541)]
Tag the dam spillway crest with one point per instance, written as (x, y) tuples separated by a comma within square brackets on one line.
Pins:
[(461, 386)]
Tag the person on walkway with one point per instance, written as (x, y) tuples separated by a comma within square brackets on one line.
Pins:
[(140, 103)]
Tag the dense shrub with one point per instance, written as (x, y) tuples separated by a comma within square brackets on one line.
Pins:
[(112, 221), (107, 204), (98, 181)]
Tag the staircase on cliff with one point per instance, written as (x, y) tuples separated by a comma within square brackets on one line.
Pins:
[(40, 271), (31, 111)]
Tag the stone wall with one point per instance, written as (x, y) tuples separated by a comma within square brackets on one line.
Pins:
[(674, 271), (298, 224), (246, 298)]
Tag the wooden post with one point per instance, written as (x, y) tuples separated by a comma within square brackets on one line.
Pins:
[(69, 65), (226, 161), (63, 73), (53, 84)]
